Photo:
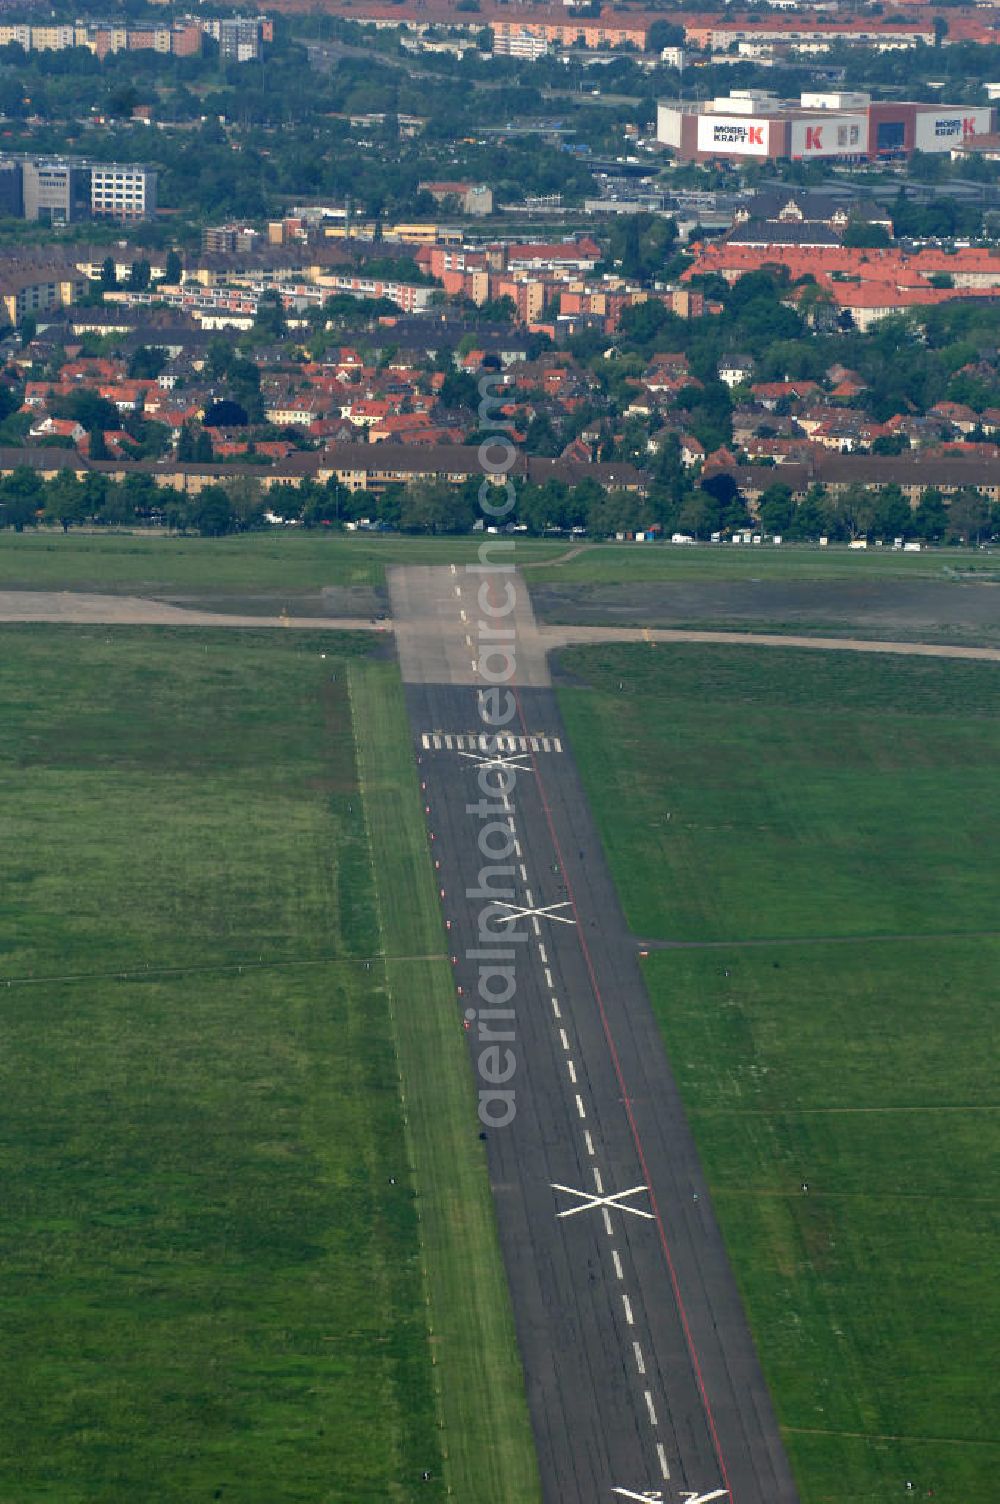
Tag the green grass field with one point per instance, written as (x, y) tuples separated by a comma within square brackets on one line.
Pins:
[(283, 565), (630, 563), (262, 571), (814, 806), (215, 1246)]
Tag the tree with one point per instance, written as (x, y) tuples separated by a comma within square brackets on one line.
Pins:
[(185, 444), (22, 496), (109, 275), (776, 509), (435, 507), (147, 362), (812, 517), (860, 235), (855, 508), (225, 414), (29, 328), (968, 519), (664, 34), (139, 275), (173, 271), (270, 316), (213, 514), (204, 454), (98, 445), (892, 517), (65, 500), (930, 520)]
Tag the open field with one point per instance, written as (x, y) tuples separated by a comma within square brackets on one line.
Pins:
[(262, 573), (315, 573), (847, 800), (213, 1247), (631, 563)]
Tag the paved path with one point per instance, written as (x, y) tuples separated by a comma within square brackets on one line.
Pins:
[(419, 637), (79, 609), (561, 637), (641, 1375)]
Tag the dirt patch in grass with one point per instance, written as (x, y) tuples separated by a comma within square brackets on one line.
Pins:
[(928, 610)]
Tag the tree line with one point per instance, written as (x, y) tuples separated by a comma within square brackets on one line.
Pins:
[(715, 507)]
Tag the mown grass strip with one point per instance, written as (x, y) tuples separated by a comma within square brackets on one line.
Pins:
[(487, 1438)]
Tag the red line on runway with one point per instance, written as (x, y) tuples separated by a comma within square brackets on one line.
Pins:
[(628, 1108)]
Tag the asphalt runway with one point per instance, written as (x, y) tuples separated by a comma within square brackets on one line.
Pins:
[(641, 1375)]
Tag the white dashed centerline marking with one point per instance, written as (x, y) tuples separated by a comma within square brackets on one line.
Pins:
[(617, 1263), (541, 952), (607, 1221), (579, 1106), (555, 1007), (589, 1142), (649, 1407), (548, 977), (563, 1040), (640, 1361), (662, 1458), (528, 896), (628, 1309), (597, 1181), (524, 873), (572, 1071)]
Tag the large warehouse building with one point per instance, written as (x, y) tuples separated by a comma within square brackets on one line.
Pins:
[(846, 126)]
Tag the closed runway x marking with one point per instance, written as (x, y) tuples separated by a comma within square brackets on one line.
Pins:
[(588, 1201)]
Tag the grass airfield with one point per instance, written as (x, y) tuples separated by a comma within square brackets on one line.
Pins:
[(232, 1265), (821, 836)]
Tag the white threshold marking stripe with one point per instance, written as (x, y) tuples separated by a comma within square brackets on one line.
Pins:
[(572, 1071), (640, 1361), (589, 1142), (662, 1459), (579, 1105), (649, 1407), (628, 1309), (617, 1263)]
